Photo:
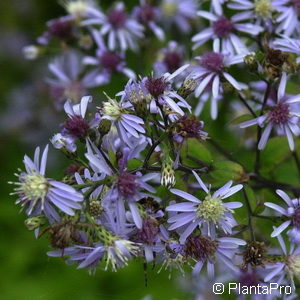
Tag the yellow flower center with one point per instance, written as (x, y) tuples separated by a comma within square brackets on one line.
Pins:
[(211, 209)]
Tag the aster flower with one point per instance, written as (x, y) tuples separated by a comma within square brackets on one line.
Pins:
[(162, 93), (148, 15), (129, 188), (261, 10), (288, 45), (209, 214), (180, 12), (112, 249), (291, 212), (210, 72), (127, 124), (224, 30), (107, 62), (170, 59), (68, 82), (280, 116), (122, 30), (76, 126), (38, 194), (287, 266), (188, 127), (206, 250), (288, 18)]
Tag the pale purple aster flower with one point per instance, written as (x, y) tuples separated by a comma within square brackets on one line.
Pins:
[(128, 188), (115, 254), (76, 126), (292, 212), (122, 30), (38, 194), (288, 267), (259, 10), (162, 93), (148, 15), (127, 124), (106, 61), (69, 82), (211, 69), (280, 116), (207, 250), (170, 59), (224, 30), (288, 45), (179, 12), (208, 214), (288, 17)]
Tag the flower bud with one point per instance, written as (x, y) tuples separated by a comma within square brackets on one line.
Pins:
[(35, 222), (95, 208), (104, 126), (167, 173), (187, 87)]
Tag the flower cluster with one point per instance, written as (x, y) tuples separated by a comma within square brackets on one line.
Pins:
[(146, 180)]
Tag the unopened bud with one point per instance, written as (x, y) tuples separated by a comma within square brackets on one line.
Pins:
[(250, 61), (167, 173), (95, 208), (187, 87), (35, 222), (104, 126)]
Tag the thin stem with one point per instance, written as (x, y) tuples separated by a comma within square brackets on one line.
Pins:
[(108, 161), (297, 161), (250, 214), (244, 101)]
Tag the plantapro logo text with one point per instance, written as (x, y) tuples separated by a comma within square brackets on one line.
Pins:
[(259, 289)]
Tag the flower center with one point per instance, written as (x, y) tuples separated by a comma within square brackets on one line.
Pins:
[(263, 8), (146, 14), (76, 126), (110, 61), (293, 264), (280, 114), (296, 218), (149, 230), (60, 28), (169, 8), (189, 127), (77, 8), (222, 27), (111, 108), (127, 185), (212, 61), (211, 209), (34, 186), (117, 18), (74, 91), (173, 61), (296, 4), (156, 86), (201, 248)]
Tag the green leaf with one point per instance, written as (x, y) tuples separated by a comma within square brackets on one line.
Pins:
[(276, 151), (195, 149), (227, 170), (240, 119)]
